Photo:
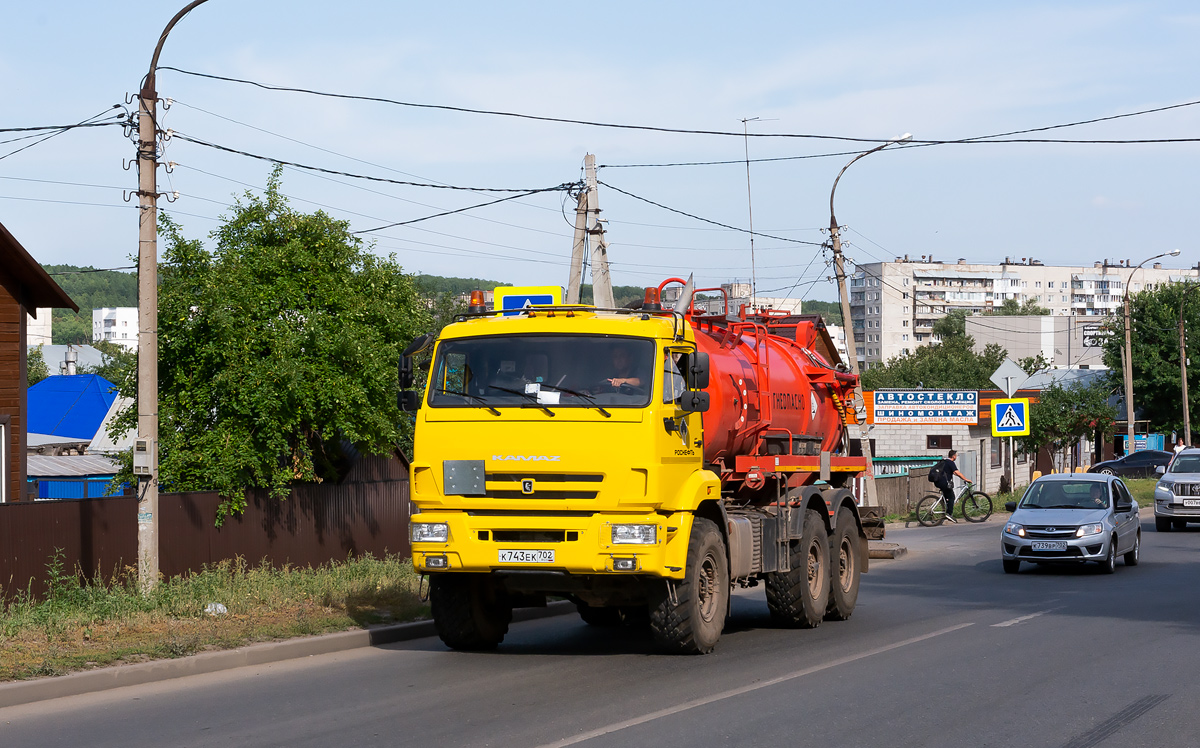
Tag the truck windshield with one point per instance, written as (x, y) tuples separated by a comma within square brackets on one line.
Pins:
[(577, 371)]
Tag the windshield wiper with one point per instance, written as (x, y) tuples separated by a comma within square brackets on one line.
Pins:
[(533, 401), (589, 398), (469, 396)]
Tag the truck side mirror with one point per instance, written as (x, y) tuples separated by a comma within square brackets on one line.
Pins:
[(1161, 470), (694, 401), (409, 400), (698, 372), (418, 344), (406, 372)]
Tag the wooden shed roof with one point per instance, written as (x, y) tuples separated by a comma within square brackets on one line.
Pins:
[(34, 287)]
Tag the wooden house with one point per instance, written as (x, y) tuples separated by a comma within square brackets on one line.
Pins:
[(24, 287)]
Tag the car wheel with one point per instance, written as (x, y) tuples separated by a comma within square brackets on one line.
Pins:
[(1162, 524), (1109, 564), (1011, 565), (1106, 471), (1135, 554)]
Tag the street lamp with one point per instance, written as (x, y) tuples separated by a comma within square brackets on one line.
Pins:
[(838, 264), (1128, 363)]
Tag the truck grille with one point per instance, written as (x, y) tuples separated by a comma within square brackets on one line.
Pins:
[(543, 485), (1186, 489)]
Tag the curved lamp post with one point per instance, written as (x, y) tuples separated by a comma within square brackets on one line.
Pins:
[(147, 388), (1187, 415), (848, 324), (1128, 363)]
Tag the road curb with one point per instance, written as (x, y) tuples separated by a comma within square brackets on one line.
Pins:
[(103, 679)]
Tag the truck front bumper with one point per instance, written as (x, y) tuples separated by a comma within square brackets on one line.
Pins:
[(574, 543)]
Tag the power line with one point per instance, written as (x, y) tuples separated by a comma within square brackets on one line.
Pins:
[(457, 210), (64, 128), (93, 270), (707, 220), (518, 115), (295, 165)]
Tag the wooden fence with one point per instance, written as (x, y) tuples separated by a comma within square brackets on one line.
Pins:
[(365, 513)]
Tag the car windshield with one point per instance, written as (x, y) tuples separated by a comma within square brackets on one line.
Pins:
[(1186, 464), (545, 371), (1066, 494)]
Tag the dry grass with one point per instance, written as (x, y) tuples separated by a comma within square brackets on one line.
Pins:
[(84, 625)]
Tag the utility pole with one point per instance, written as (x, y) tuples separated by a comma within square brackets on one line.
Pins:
[(1128, 362), (602, 293), (147, 389), (1187, 415), (578, 247)]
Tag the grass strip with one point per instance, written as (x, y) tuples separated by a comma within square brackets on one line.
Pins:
[(82, 624)]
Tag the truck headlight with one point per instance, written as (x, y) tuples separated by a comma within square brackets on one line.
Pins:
[(428, 532), (635, 534), (1163, 492), (1092, 529), (1012, 528)]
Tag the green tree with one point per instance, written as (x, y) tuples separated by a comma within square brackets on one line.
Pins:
[(1011, 307), (1064, 415), (35, 366), (831, 311), (275, 350), (1157, 386), (90, 289)]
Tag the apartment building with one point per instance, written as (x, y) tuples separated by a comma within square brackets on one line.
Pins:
[(893, 305), (116, 325)]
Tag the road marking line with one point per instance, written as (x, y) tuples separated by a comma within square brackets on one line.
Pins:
[(1020, 619), (617, 726)]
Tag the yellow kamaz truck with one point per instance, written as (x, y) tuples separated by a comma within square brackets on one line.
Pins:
[(638, 462)]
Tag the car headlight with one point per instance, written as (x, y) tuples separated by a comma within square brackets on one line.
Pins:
[(1164, 491), (1092, 529), (1012, 528), (635, 534), (428, 532)]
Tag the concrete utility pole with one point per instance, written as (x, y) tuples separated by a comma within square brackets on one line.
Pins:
[(1187, 415), (1127, 362), (578, 247), (147, 391), (602, 293), (839, 267)]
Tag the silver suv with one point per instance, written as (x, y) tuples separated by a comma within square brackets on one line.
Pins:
[(1177, 495)]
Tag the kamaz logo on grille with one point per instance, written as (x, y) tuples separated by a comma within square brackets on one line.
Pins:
[(527, 485), (527, 458)]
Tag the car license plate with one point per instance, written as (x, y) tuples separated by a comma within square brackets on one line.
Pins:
[(1049, 545), (1191, 503), (526, 557)]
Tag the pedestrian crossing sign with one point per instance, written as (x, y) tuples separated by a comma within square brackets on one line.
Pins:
[(1010, 417), (513, 299)]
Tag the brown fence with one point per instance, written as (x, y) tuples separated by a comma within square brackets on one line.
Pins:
[(365, 513)]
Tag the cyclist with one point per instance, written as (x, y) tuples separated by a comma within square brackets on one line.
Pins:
[(948, 470)]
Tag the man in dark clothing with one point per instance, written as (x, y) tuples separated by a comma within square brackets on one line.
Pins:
[(948, 470)]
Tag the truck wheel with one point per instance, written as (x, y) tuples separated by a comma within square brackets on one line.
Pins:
[(603, 617), (798, 598), (843, 588), (1162, 524), (692, 623), (469, 612)]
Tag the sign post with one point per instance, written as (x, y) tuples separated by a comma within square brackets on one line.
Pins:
[(1009, 378)]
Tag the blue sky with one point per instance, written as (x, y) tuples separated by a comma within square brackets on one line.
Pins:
[(873, 70)]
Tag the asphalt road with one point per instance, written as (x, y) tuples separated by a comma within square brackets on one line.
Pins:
[(943, 650)]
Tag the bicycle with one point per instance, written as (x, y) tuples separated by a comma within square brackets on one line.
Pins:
[(976, 506)]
